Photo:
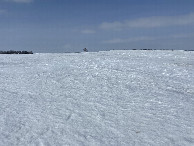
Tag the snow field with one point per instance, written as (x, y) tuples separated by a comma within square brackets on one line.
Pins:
[(105, 98)]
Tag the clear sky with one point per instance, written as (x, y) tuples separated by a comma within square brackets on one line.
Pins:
[(71, 25)]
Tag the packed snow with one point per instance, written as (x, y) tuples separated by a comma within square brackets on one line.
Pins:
[(120, 98)]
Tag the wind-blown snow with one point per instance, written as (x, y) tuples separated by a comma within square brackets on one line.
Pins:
[(106, 98)]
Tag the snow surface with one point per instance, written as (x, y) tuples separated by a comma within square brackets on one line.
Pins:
[(107, 98)]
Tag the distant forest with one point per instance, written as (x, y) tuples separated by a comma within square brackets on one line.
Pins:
[(161, 49), (16, 52)]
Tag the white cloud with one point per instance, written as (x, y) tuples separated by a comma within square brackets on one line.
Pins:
[(147, 38), (88, 31), (150, 22), (2, 11), (177, 36), (134, 39), (20, 1)]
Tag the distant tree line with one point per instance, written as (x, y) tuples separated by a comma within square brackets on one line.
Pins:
[(154, 49), (16, 52), (160, 49)]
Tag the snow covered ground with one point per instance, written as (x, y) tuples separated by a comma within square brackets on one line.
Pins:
[(107, 98)]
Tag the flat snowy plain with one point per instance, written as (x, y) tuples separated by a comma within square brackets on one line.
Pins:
[(107, 98)]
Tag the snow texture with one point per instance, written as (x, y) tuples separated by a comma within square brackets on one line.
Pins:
[(107, 98)]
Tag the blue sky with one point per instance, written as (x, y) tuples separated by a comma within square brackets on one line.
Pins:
[(71, 25)]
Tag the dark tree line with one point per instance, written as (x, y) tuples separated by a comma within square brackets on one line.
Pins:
[(16, 52), (161, 49)]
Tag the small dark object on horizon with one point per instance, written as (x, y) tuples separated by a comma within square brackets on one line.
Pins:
[(85, 50), (16, 52), (188, 50)]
